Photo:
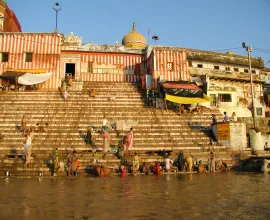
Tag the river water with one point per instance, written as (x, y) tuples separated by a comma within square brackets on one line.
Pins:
[(177, 196)]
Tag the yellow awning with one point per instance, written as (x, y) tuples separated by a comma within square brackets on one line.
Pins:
[(188, 100)]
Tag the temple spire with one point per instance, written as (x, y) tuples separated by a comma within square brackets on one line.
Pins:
[(134, 27)]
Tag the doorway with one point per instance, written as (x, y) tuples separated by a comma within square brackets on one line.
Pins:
[(70, 70)]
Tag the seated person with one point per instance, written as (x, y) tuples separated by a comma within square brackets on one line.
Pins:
[(197, 109), (92, 92), (201, 168), (234, 116), (223, 166), (183, 109), (122, 171), (73, 164), (157, 169), (145, 169), (266, 148), (135, 164)]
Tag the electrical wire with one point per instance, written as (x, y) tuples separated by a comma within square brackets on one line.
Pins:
[(261, 49), (229, 49)]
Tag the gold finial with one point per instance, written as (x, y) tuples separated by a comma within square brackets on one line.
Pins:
[(134, 27)]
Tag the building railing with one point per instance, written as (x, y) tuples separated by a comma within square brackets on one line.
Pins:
[(110, 71)]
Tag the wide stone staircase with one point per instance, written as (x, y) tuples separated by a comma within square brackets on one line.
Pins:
[(156, 131)]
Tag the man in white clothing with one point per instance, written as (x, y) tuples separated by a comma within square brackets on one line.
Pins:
[(104, 123), (167, 163)]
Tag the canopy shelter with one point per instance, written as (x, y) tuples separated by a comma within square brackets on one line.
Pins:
[(183, 92), (25, 78)]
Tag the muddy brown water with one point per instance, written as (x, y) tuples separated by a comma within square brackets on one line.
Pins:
[(177, 196)]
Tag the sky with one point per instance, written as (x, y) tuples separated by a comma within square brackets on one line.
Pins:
[(213, 25)]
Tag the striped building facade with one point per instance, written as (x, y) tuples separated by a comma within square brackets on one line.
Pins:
[(43, 48), (102, 66), (49, 54), (167, 63)]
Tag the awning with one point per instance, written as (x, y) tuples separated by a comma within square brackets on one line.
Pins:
[(184, 92), (25, 78), (182, 89), (188, 100), (11, 75)]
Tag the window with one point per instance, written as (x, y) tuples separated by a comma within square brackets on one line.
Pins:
[(224, 97), (253, 71), (4, 57), (245, 70), (199, 65), (259, 111), (170, 66), (227, 68), (190, 63), (236, 69), (216, 67), (28, 57)]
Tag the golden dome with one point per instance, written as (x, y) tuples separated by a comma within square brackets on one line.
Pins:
[(134, 39)]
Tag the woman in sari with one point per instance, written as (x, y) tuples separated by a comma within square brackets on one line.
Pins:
[(135, 164), (125, 142), (212, 162), (106, 141), (130, 139), (122, 171), (181, 161), (156, 169), (88, 138), (23, 125), (71, 163), (55, 158), (64, 89), (27, 149), (121, 148), (201, 168)]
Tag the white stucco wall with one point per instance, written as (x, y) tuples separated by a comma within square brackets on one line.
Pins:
[(238, 137)]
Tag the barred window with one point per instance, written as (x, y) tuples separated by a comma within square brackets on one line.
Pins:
[(28, 57), (5, 56), (170, 66), (225, 97)]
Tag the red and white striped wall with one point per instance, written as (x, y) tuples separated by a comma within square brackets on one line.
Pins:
[(122, 61), (46, 49), (158, 61)]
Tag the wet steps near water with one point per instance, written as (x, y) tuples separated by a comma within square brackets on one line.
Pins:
[(154, 129)]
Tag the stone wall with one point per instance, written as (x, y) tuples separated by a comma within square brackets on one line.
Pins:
[(231, 135), (216, 57), (263, 125)]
